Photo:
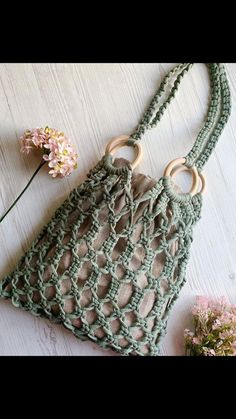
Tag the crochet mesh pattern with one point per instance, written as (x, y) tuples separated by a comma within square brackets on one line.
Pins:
[(111, 262)]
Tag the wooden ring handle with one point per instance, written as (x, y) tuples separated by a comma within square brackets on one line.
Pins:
[(203, 180), (118, 142), (185, 168), (181, 161)]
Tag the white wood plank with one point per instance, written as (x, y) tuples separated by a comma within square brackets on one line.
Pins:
[(92, 103)]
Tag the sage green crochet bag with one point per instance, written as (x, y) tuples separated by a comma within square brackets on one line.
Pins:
[(112, 261)]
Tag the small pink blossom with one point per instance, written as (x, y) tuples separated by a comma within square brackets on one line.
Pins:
[(201, 305), (39, 137), (57, 149), (202, 301), (187, 333), (208, 352), (196, 340), (215, 328), (216, 324)]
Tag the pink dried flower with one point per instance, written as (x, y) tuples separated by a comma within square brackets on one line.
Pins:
[(208, 352), (57, 149), (39, 137), (216, 324), (35, 137), (196, 340), (201, 305), (203, 302), (215, 328)]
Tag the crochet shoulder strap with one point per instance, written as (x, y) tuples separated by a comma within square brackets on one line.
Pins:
[(217, 115)]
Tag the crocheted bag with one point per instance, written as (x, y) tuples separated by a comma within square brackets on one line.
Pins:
[(111, 262)]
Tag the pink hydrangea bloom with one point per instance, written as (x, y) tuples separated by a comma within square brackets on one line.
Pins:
[(39, 137), (57, 149)]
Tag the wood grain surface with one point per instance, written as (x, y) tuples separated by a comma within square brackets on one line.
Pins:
[(92, 103)]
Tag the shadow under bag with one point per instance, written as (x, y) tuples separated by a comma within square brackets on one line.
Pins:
[(112, 260)]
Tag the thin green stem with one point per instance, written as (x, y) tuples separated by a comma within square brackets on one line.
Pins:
[(28, 184)]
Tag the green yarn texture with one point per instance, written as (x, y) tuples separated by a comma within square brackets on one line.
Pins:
[(111, 262)]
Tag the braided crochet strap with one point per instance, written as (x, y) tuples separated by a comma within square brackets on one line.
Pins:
[(217, 115), (155, 110)]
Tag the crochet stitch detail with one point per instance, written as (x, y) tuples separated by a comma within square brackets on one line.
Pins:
[(111, 262)]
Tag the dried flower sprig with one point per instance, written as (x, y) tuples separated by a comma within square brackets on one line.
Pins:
[(215, 328), (55, 148)]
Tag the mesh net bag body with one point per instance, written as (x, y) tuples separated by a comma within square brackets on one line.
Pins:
[(112, 260)]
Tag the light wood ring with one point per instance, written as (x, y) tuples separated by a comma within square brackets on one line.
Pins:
[(181, 161), (203, 180), (118, 142), (200, 175)]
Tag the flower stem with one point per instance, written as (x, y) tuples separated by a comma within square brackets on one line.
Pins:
[(19, 196)]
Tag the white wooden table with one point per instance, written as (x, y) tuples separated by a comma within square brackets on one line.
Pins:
[(92, 103)]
